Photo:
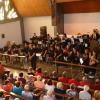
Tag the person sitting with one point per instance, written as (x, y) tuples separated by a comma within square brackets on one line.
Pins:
[(2, 71), (1, 96), (7, 86), (38, 83), (11, 78), (49, 96), (85, 95), (39, 72), (49, 85), (21, 78), (97, 84), (30, 71), (84, 81), (72, 91), (63, 78), (30, 80), (26, 93), (59, 89), (70, 81), (17, 88), (54, 75), (46, 75)]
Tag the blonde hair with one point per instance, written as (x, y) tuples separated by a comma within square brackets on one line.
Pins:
[(59, 85), (26, 87)]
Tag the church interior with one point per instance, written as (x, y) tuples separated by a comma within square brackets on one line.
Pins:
[(49, 50)]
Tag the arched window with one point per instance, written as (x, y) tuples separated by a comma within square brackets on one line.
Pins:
[(7, 11)]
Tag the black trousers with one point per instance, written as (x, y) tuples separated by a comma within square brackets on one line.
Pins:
[(33, 64)]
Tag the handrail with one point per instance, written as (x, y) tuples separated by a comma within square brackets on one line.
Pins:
[(76, 65)]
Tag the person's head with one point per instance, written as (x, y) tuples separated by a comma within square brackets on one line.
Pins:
[(17, 83), (16, 99), (39, 78), (59, 85), (6, 82), (54, 73), (64, 74), (1, 94), (49, 82), (30, 69), (21, 74), (97, 80), (84, 78), (86, 88), (45, 73), (26, 87), (39, 70), (72, 86), (97, 95), (30, 77), (11, 75)]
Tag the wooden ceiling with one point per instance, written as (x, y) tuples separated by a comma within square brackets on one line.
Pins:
[(43, 7), (84, 6), (63, 1), (32, 7)]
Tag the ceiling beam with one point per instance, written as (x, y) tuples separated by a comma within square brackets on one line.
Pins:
[(62, 1)]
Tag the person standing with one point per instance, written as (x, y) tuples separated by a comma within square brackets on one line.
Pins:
[(32, 56)]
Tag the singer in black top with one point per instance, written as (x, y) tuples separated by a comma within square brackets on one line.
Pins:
[(33, 57)]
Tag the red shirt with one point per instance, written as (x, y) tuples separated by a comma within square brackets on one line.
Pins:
[(2, 70), (70, 81), (82, 83), (63, 79), (39, 74)]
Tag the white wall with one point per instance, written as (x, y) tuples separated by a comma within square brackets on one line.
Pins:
[(81, 22), (12, 32), (33, 24), (73, 24)]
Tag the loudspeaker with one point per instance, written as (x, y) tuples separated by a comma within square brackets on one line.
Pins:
[(43, 31), (2, 35)]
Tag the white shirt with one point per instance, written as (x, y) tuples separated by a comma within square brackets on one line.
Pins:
[(47, 98), (2, 98), (84, 95), (49, 87)]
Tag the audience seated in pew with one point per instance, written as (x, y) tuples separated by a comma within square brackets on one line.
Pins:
[(85, 95), (59, 89)]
